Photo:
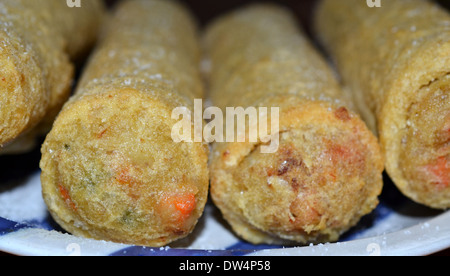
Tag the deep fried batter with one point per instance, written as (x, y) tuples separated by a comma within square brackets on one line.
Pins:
[(38, 39), (396, 61), (326, 173), (110, 169)]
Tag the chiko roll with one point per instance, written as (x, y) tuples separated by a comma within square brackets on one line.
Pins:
[(110, 169), (327, 171), (38, 40), (396, 61)]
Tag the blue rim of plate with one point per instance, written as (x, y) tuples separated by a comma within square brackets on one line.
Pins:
[(427, 237), (423, 239), (429, 234)]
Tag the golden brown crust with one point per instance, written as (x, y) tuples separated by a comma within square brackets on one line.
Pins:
[(110, 169), (399, 57), (326, 173), (38, 40)]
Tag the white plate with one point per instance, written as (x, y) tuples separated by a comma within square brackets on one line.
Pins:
[(397, 227)]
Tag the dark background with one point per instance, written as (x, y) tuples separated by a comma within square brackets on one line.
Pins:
[(207, 10), (12, 167)]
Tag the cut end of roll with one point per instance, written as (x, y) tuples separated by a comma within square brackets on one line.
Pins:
[(23, 97), (122, 178), (425, 159), (325, 176), (13, 101)]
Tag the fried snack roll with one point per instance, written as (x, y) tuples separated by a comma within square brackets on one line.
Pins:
[(38, 39), (327, 171), (110, 169), (396, 61)]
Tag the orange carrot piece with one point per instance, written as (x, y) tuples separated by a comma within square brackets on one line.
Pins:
[(100, 135), (185, 203), (440, 171), (179, 205), (66, 196), (123, 177)]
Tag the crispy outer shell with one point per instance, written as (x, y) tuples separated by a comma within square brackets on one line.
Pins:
[(110, 169), (326, 173), (396, 61), (38, 39)]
